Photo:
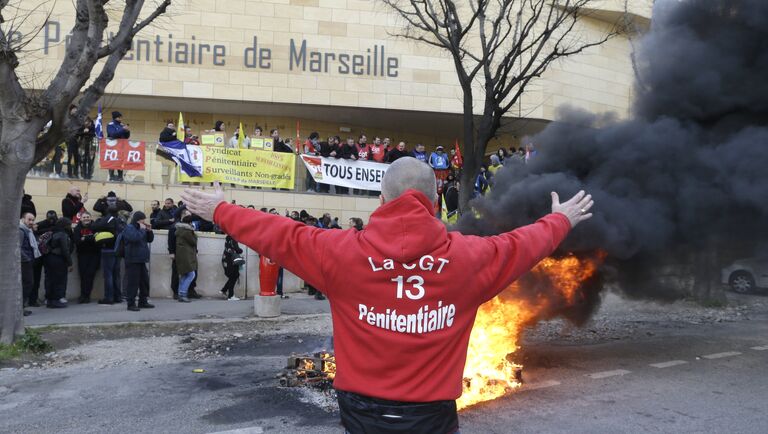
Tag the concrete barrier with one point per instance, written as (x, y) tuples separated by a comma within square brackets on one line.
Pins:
[(211, 274)]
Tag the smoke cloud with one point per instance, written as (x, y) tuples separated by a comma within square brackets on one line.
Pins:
[(688, 172)]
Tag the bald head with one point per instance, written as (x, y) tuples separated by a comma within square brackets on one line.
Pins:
[(408, 173)]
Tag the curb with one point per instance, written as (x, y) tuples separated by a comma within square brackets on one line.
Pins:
[(182, 321)]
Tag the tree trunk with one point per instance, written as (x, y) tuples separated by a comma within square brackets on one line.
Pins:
[(12, 175), (471, 164)]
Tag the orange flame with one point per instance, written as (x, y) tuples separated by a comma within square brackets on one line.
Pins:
[(489, 372), (329, 365)]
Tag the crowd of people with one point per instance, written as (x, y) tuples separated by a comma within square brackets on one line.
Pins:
[(119, 235)]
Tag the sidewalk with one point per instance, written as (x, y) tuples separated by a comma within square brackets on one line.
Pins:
[(168, 310)]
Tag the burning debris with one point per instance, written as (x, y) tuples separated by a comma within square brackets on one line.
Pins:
[(316, 371)]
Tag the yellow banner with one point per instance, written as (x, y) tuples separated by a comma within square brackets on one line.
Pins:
[(246, 167)]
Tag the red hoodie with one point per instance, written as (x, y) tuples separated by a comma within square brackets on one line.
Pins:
[(404, 299)]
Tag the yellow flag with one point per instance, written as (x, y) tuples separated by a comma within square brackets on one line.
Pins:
[(180, 128), (443, 210), (240, 137)]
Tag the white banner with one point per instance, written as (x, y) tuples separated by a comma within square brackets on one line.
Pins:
[(362, 175)]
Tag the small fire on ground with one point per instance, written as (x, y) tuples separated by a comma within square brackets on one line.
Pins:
[(552, 287)]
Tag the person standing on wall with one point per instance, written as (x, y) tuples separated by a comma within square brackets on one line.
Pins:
[(117, 130), (88, 256), (137, 236)]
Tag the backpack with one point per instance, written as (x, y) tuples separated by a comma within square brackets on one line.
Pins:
[(44, 243), (119, 246)]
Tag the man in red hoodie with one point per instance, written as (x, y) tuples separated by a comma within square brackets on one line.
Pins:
[(402, 324)]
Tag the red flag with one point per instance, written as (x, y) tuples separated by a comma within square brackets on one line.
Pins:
[(459, 158)]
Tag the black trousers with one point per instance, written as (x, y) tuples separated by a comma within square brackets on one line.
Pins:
[(56, 273), (112, 176), (73, 158), (137, 281), (27, 279), (363, 414), (37, 271), (57, 154), (86, 163), (87, 266), (232, 273)]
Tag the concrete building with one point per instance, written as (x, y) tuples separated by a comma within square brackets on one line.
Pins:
[(330, 66)]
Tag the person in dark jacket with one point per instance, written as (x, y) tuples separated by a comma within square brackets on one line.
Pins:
[(137, 237), (88, 256), (191, 292), (77, 142), (58, 263), (27, 206), (232, 250), (162, 218), (111, 199), (117, 130), (108, 228), (398, 152), (73, 203), (87, 148), (169, 133), (186, 254), (42, 227), (29, 253), (278, 145)]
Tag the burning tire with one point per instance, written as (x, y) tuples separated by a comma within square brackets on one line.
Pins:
[(742, 282)]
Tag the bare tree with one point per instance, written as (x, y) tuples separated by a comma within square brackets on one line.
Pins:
[(24, 113), (501, 45)]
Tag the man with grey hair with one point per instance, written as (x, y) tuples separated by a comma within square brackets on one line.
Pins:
[(403, 302)]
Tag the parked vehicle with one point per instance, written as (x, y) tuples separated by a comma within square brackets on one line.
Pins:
[(746, 275)]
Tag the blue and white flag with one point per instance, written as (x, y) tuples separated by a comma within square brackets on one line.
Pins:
[(188, 157), (97, 127)]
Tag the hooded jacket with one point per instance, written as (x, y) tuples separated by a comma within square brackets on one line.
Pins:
[(70, 206), (137, 244), (402, 301), (186, 248)]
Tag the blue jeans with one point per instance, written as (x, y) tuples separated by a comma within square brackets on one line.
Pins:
[(184, 281), (111, 266)]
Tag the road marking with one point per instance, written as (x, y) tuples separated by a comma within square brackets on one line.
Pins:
[(763, 348), (250, 430), (721, 355), (541, 385), (606, 374), (668, 364)]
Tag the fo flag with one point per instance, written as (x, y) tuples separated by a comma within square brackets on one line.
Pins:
[(121, 154), (189, 158)]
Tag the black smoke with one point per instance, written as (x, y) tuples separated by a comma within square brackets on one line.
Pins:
[(687, 173)]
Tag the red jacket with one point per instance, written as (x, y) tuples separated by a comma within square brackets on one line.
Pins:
[(404, 300)]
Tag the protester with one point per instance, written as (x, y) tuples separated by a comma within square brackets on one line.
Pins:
[(169, 133), (27, 206), (108, 228), (312, 147), (231, 261), (42, 228), (137, 237), (451, 198), (378, 150), (399, 272), (356, 223), (362, 149), (482, 181), (29, 253), (186, 254), (162, 218), (58, 263), (104, 203), (397, 153), (440, 164), (456, 163), (73, 204), (58, 153), (88, 148), (88, 256), (419, 153), (78, 141), (234, 141), (219, 127), (495, 165), (530, 152), (503, 155), (190, 138), (117, 130), (279, 145)]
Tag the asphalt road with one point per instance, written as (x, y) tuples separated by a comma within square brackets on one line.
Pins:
[(694, 378)]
